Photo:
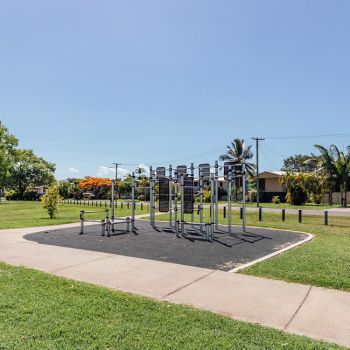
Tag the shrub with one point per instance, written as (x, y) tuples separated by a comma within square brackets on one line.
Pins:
[(50, 200), (295, 185), (11, 195), (206, 196), (276, 200)]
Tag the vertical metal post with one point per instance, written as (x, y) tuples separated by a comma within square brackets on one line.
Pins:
[(244, 195), (260, 214), (201, 199), (176, 208), (229, 194), (151, 196), (300, 212), (182, 205), (283, 214), (81, 222), (170, 195), (113, 205), (257, 139), (216, 195), (192, 175), (326, 217), (212, 199), (133, 202)]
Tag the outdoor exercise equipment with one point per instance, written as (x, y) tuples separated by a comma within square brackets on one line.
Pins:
[(84, 219), (170, 183)]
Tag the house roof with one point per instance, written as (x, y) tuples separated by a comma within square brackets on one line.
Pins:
[(271, 174)]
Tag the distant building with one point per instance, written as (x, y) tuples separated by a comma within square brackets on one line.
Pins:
[(270, 185), (40, 190)]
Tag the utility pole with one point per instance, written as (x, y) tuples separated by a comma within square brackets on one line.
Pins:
[(257, 139), (116, 181)]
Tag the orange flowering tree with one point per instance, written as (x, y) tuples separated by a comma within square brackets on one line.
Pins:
[(99, 186)]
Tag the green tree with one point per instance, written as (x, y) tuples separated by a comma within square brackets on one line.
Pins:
[(8, 144), (295, 186), (50, 200), (126, 185), (335, 165), (236, 153), (316, 186), (29, 170), (301, 163)]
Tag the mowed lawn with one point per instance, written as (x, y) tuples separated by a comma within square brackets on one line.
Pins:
[(324, 261), (31, 214), (41, 311)]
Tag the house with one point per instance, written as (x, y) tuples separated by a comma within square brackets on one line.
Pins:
[(270, 185)]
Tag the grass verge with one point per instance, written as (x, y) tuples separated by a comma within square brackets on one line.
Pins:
[(31, 214), (40, 311)]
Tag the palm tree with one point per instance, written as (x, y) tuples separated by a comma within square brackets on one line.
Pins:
[(336, 166), (139, 170), (236, 153)]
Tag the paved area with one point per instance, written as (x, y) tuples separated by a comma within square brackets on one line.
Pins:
[(315, 312), (160, 243)]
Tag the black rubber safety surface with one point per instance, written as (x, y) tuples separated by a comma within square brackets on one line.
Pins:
[(160, 243)]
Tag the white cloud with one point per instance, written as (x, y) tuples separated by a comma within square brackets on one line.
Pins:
[(74, 170), (104, 171)]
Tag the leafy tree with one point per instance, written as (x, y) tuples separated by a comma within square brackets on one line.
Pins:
[(301, 163), (295, 186), (8, 144), (316, 186), (236, 153), (99, 186), (126, 185), (50, 200), (335, 165), (29, 170)]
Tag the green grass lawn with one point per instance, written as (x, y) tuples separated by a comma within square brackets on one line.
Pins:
[(324, 261), (41, 311), (30, 214)]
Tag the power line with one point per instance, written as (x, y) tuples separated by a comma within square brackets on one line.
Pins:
[(306, 136)]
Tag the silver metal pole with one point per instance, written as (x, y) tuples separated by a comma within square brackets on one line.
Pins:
[(257, 139), (216, 195), (200, 199), (244, 195), (151, 199), (229, 195), (170, 195), (176, 208), (112, 200), (192, 175), (212, 199), (182, 205), (133, 202)]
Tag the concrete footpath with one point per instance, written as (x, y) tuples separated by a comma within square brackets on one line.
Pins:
[(311, 311)]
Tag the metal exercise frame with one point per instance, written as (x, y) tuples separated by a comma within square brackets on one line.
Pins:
[(103, 222), (204, 229)]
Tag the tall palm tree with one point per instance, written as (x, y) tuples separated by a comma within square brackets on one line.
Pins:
[(236, 153), (336, 166)]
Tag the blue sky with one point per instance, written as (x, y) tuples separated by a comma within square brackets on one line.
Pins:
[(88, 83)]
